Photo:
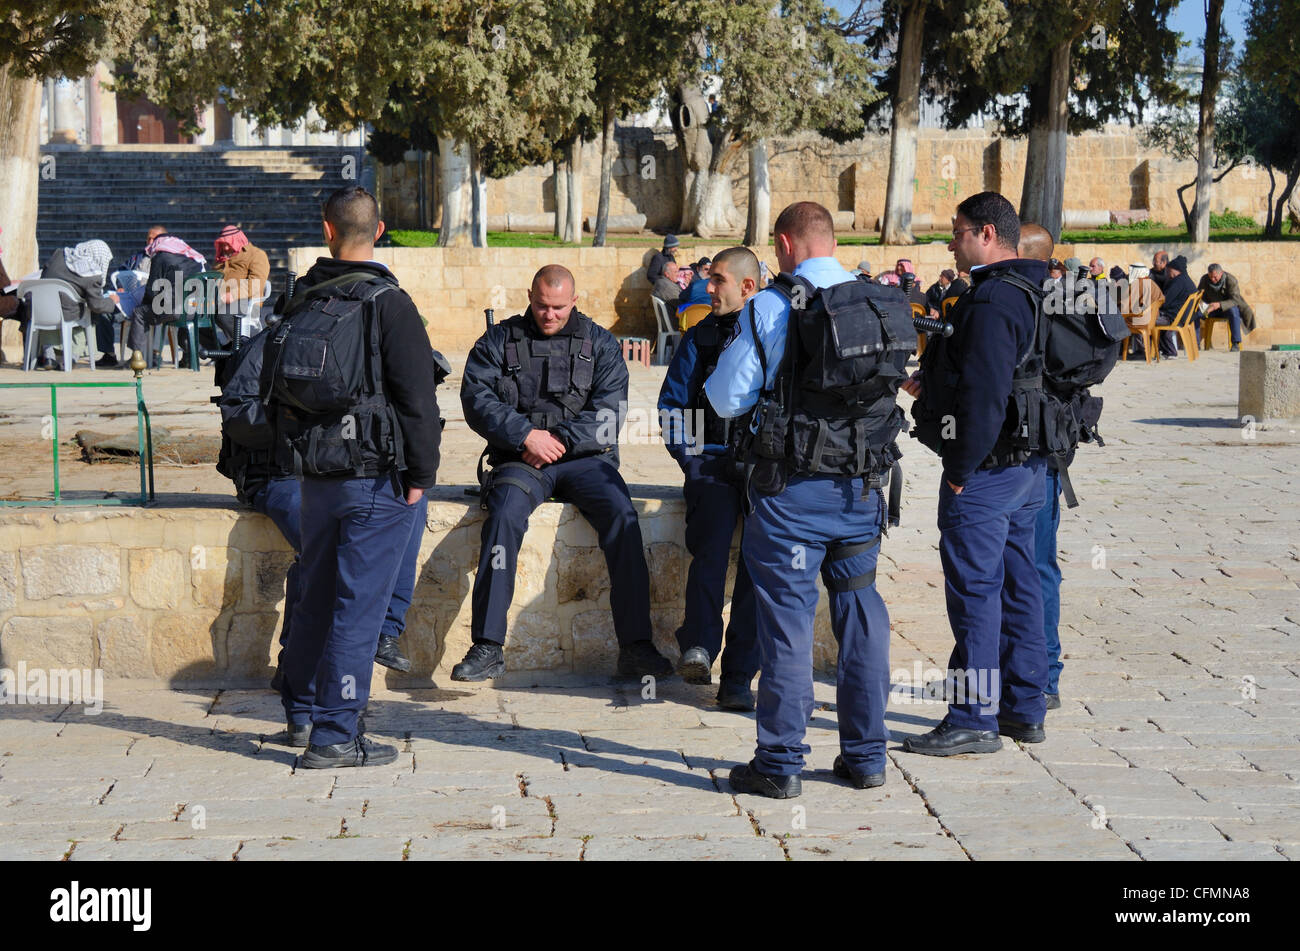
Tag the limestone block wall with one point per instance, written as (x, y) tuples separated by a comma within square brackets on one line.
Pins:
[(1108, 169), (196, 595), (452, 286)]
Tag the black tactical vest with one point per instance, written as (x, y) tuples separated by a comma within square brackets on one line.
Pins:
[(834, 407), (711, 337), (547, 380), (1020, 437)]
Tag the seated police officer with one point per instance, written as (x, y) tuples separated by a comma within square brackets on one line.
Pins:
[(697, 438), (350, 374), (820, 356), (977, 406), (547, 389)]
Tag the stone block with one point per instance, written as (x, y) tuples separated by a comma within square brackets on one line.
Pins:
[(533, 642), (123, 643), (47, 642), (8, 580), (667, 573), (1268, 384), (581, 574), (595, 648), (269, 570), (187, 646), (157, 577), (216, 577), (252, 644), (53, 570)]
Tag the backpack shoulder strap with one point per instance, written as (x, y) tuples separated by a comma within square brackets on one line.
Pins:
[(305, 294)]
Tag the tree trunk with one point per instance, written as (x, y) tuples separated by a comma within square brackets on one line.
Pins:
[(689, 119), (573, 172), (759, 216), (896, 228), (20, 171), (716, 213), (1053, 210), (1205, 129), (478, 191), (606, 174), (1188, 213), (561, 194), (455, 185), (1031, 193), (1275, 227)]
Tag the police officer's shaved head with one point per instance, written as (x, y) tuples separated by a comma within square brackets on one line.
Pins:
[(803, 230), (551, 298), (353, 214), (1035, 242), (554, 275), (733, 279)]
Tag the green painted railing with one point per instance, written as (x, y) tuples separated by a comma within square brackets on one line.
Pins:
[(144, 432)]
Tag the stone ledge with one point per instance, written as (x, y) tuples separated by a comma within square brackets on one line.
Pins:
[(196, 594)]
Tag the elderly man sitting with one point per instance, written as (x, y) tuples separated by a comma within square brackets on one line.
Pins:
[(1221, 295)]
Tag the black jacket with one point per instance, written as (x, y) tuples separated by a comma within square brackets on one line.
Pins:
[(993, 329), (1177, 290), (505, 427), (407, 358)]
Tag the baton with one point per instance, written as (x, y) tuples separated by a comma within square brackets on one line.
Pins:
[(931, 325)]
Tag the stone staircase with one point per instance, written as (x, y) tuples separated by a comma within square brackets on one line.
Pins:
[(116, 192)]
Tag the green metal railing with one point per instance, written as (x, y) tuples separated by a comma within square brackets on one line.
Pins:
[(144, 432)]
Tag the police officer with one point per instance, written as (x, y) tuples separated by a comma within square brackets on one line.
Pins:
[(713, 490), (365, 468), (548, 389), (977, 394), (809, 517), (267, 486)]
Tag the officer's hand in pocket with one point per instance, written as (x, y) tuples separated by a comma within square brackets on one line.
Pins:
[(413, 495), (912, 385)]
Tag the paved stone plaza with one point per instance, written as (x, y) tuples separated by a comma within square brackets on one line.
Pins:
[(1178, 738)]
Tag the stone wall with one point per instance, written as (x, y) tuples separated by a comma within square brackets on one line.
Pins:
[(1108, 170), (195, 595), (452, 286)]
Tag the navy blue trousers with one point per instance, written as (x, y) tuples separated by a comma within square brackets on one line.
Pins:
[(348, 569), (1049, 576), (601, 495), (789, 539), (713, 505), (280, 500), (994, 597)]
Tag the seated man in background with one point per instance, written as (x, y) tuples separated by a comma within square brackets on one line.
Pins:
[(171, 263), (1177, 288), (244, 272), (666, 287), (1222, 298), (85, 267), (937, 291)]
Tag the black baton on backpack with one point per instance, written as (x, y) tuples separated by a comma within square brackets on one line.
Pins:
[(931, 325)]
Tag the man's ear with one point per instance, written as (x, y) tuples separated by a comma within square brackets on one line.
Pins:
[(328, 229), (747, 287), (784, 243), (379, 231)]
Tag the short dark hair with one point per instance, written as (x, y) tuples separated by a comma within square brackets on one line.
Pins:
[(739, 262), (554, 275), (1214, 267), (353, 213), (805, 219), (990, 208)]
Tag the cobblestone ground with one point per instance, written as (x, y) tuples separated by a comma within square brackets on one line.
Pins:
[(1177, 739)]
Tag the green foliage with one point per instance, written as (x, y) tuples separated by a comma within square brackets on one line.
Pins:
[(45, 38), (1137, 228), (1231, 219)]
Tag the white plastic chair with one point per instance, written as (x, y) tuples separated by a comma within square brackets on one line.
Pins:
[(44, 301), (253, 323), (668, 336)]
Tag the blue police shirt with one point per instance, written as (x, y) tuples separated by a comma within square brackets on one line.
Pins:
[(735, 383)]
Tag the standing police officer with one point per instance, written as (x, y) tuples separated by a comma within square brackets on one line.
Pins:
[(978, 406), (548, 390), (714, 490), (820, 356), (351, 374)]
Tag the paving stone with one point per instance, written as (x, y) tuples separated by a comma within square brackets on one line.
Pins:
[(441, 848), (170, 850), (359, 849), (1208, 851), (886, 846), (606, 848)]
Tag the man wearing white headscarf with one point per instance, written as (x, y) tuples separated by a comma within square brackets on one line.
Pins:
[(85, 267)]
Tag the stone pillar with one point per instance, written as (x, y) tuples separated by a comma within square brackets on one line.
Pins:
[(239, 130), (207, 119), (63, 113), (316, 138), (94, 122)]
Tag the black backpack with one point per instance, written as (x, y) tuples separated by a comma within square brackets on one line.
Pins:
[(247, 435), (1079, 347), (833, 408), (322, 370)]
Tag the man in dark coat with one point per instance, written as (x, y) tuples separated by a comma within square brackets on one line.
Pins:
[(1222, 297), (1178, 287)]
